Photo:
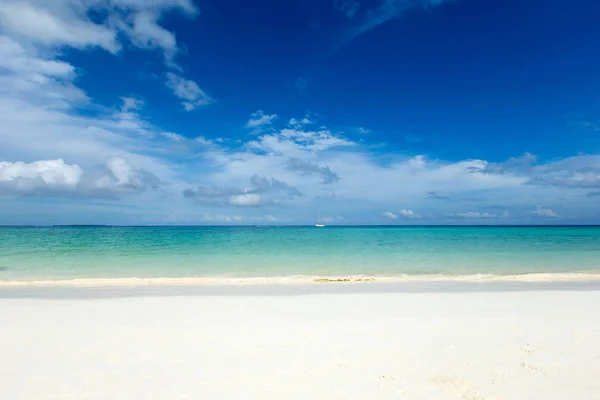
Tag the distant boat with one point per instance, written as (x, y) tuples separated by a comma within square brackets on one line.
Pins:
[(319, 224)]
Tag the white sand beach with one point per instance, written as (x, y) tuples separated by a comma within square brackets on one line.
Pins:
[(455, 345)]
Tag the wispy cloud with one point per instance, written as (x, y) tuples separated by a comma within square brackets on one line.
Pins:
[(67, 23), (371, 17), (260, 119), (49, 148), (347, 7), (188, 91), (174, 136), (300, 122)]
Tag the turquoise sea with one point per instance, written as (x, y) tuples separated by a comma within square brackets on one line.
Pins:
[(54, 253)]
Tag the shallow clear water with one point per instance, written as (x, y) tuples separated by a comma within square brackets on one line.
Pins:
[(106, 252)]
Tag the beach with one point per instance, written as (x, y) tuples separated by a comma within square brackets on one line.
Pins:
[(331, 341)]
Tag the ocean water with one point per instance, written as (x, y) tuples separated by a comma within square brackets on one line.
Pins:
[(56, 253)]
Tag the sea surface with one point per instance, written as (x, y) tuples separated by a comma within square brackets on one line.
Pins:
[(61, 253)]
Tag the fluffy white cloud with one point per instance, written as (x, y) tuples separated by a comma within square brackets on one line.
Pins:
[(40, 104), (246, 199), (408, 213), (188, 91), (300, 122), (259, 118), (401, 214), (57, 179), (389, 215), (48, 172), (544, 212), (113, 150)]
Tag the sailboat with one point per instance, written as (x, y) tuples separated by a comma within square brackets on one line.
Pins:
[(319, 224)]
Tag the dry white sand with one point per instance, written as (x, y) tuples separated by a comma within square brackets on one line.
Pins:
[(476, 346)]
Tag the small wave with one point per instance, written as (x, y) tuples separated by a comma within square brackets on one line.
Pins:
[(304, 280)]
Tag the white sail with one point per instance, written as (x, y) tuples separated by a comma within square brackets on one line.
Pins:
[(319, 224)]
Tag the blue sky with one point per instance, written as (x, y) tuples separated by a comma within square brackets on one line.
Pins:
[(270, 112)]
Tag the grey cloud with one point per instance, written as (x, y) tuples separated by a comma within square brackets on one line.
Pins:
[(264, 185), (581, 172), (264, 191), (575, 172), (521, 164), (568, 180), (434, 195), (210, 195), (308, 168)]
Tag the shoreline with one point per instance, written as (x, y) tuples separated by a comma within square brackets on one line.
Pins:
[(306, 280)]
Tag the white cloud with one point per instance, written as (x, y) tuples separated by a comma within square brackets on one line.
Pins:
[(56, 24), (174, 136), (390, 215), (375, 15), (66, 23), (45, 25), (204, 141), (25, 74), (298, 123), (113, 152), (362, 130), (131, 104), (259, 118), (50, 172), (408, 213), (188, 91), (401, 214), (246, 199), (15, 59), (57, 179), (544, 212)]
